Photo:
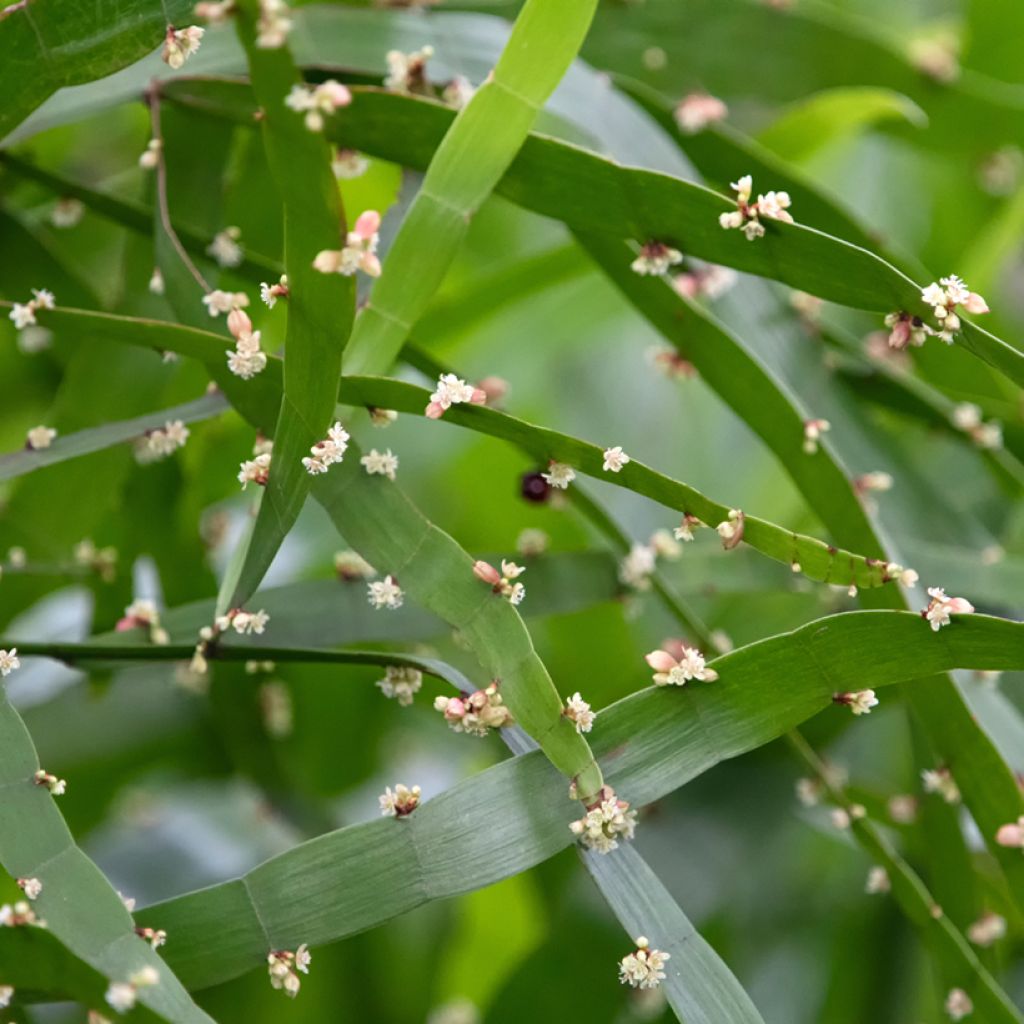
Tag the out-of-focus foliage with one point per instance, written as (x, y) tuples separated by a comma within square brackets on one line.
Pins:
[(241, 810)]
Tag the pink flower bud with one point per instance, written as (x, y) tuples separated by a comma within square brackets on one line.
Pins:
[(367, 225), (455, 709), (494, 388), (975, 303), (899, 336), (660, 661), (370, 264), (128, 622), (960, 606), (334, 93), (239, 323), (479, 396), (1011, 835), (486, 572), (434, 411)]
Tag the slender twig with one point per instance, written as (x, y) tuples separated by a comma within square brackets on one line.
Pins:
[(153, 98)]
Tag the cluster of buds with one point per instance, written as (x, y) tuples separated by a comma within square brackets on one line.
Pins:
[(860, 702), (941, 607), (67, 212), (399, 802), (350, 565), (902, 808), (684, 531), (709, 281), (270, 293), (675, 664), (906, 330), (9, 661), (731, 529), (161, 442), (407, 72), (843, 817), (217, 301), (987, 930), (940, 780), (58, 787), (967, 417), (813, 429), (895, 571), (944, 297), (477, 713), (614, 459), (607, 820), (247, 359), (282, 965), (655, 258), (39, 438), (143, 614), (401, 683), (644, 967), (255, 471), (156, 937), (349, 163), (242, 622), (19, 915), (559, 475), (877, 881), (23, 314), (578, 711), (122, 995), (102, 561), (380, 463), (273, 24), (747, 215), (327, 452), (316, 101), (385, 593), (359, 251), (452, 390), (31, 887), (225, 248), (502, 582), (958, 1004), (180, 44), (1012, 834), (693, 113)]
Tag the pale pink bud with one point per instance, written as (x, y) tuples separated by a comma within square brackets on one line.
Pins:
[(239, 323), (336, 95), (1011, 834), (494, 388), (370, 264), (660, 661), (974, 303), (367, 225), (327, 261), (899, 337), (479, 396), (486, 572), (434, 411), (959, 606)]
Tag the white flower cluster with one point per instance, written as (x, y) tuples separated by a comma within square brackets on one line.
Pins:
[(941, 781), (614, 459), (475, 714), (958, 1004), (121, 995), (655, 259), (696, 111), (31, 887), (684, 531), (273, 25), (452, 390), (39, 438), (180, 44), (988, 929), (407, 72), (501, 582), (747, 215), (399, 802), (102, 561), (242, 622), (359, 251), (23, 314), (578, 711), (67, 212), (247, 359), (380, 463), (877, 881), (644, 967), (709, 281), (967, 417), (678, 671), (944, 297), (282, 965), (860, 702), (636, 568), (559, 475), (940, 607), (9, 661), (270, 293), (225, 248), (143, 614), (255, 471), (327, 452), (19, 915), (217, 301), (607, 821), (58, 787), (149, 158), (731, 529), (316, 101), (161, 442), (401, 683), (349, 163), (385, 593), (813, 429), (458, 92)]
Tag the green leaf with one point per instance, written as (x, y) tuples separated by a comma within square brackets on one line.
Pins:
[(699, 986), (516, 814)]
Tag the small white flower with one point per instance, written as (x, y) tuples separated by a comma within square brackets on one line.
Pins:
[(40, 437), (877, 480), (731, 529), (666, 545), (696, 111), (255, 471), (380, 463), (401, 683), (282, 965), (150, 156), (316, 101), (643, 968), (902, 808), (452, 390), (808, 792), (458, 92), (940, 780), (6, 995), (577, 710), (180, 44), (532, 542), (58, 787), (840, 818), (270, 293), (907, 577), (672, 671), (161, 441), (636, 568), (23, 314), (407, 71), (877, 881), (31, 887), (684, 531), (225, 248), (274, 25), (385, 593), (329, 451), (988, 929), (348, 164), (860, 702), (67, 212), (614, 459), (655, 259), (940, 607), (399, 802), (746, 216), (559, 475), (247, 623), (217, 301), (813, 429), (475, 714), (607, 820), (958, 1004), (382, 418), (121, 996), (156, 282)]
